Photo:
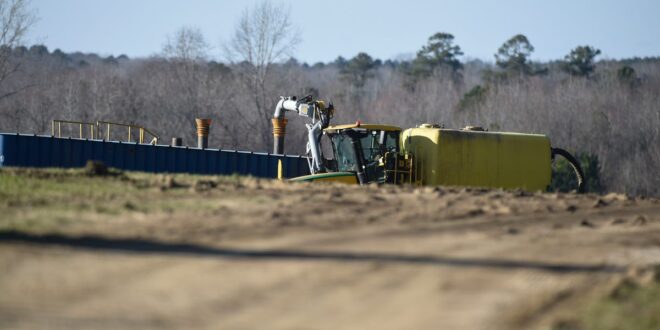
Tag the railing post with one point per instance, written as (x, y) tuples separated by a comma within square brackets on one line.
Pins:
[(52, 128), (129, 134), (59, 129), (80, 127), (108, 132)]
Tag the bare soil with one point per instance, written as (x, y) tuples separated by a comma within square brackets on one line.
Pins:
[(188, 252)]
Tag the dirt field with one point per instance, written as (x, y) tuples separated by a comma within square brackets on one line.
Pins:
[(143, 251)]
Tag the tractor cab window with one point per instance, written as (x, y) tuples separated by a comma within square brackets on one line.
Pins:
[(376, 143), (344, 153), (363, 148)]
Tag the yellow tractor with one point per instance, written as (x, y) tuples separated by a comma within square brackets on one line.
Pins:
[(425, 155)]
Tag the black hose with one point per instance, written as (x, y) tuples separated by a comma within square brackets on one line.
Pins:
[(574, 164)]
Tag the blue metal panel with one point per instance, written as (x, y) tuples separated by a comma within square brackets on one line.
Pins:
[(140, 157), (197, 162), (235, 160), (204, 162), (212, 161), (239, 166), (57, 153), (245, 164), (109, 154), (156, 158), (68, 153), (149, 158), (47, 151), (86, 152), (77, 156), (6, 150), (53, 154), (14, 152), (42, 153), (174, 152), (191, 160), (263, 166), (98, 150), (230, 162), (198, 167), (33, 150), (135, 157), (73, 154), (131, 159), (222, 161), (181, 161), (251, 165), (121, 155), (21, 146), (2, 150), (146, 158), (291, 165), (118, 156), (129, 153), (170, 166), (5, 145)]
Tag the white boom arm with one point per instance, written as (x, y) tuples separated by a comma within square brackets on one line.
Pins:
[(320, 119)]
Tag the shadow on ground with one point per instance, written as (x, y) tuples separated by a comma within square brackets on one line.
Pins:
[(141, 246)]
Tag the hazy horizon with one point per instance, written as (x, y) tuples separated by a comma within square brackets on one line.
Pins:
[(385, 31)]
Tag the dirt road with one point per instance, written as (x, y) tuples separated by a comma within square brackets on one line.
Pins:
[(268, 255)]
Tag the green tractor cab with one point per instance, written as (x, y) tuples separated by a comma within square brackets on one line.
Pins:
[(362, 153)]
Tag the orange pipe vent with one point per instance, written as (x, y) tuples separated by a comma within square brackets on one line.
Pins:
[(279, 126), (203, 127)]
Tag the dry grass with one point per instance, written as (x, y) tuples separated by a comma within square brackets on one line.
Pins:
[(629, 305)]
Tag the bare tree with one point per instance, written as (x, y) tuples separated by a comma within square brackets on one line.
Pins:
[(192, 87), (15, 20), (187, 50), (264, 36), (186, 44)]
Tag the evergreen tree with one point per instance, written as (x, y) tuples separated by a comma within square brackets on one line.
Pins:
[(580, 61), (513, 55), (440, 51), (358, 70)]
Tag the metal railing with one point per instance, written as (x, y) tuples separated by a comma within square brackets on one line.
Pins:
[(95, 129), (141, 130), (72, 122)]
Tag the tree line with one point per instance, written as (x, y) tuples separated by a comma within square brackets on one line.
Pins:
[(607, 111)]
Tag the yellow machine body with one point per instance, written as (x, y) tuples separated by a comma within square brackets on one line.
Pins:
[(476, 158)]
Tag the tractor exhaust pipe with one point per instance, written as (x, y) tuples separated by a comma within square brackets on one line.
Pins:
[(203, 128)]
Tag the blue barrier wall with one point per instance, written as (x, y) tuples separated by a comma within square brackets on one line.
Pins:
[(46, 151)]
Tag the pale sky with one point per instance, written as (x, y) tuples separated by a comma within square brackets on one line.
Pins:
[(383, 29)]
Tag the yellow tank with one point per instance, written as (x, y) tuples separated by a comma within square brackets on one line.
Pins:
[(476, 158)]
